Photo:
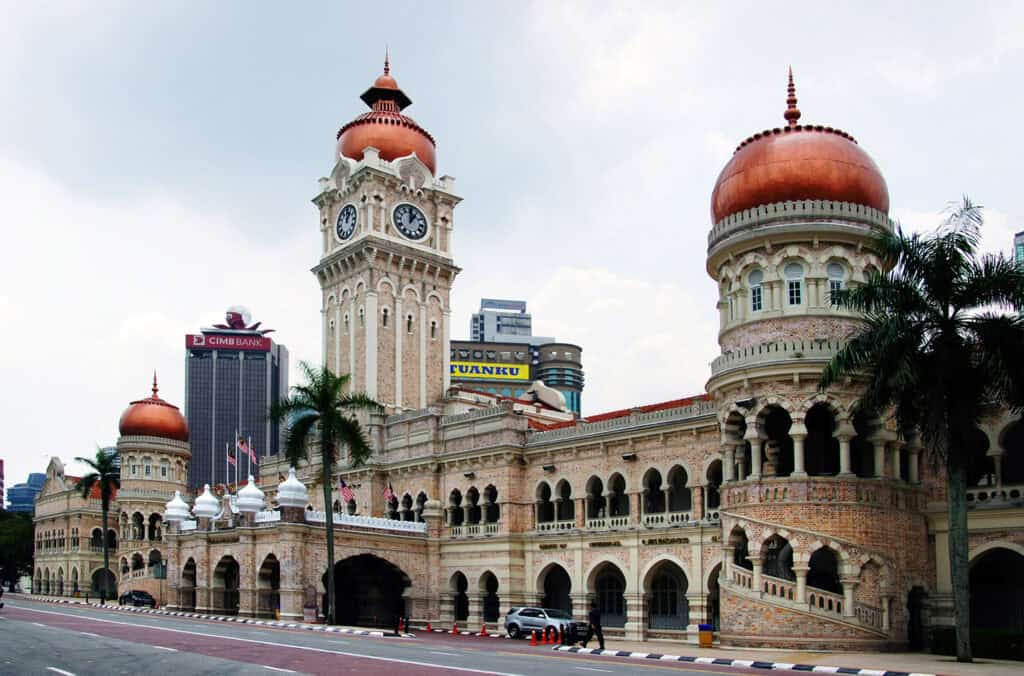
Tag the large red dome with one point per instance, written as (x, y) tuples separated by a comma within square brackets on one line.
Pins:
[(798, 162), (153, 417), (385, 127)]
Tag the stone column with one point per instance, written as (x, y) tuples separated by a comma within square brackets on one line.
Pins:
[(727, 557), (636, 514), (844, 456), (581, 512), (756, 561), (476, 610), (755, 458), (635, 616), (913, 464), (893, 460), (885, 613), (849, 585), (699, 507), (580, 604), (878, 446), (729, 464), (741, 463), (798, 452), (536, 513), (801, 583)]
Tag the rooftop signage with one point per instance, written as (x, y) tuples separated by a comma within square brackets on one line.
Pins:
[(227, 341), (481, 370)]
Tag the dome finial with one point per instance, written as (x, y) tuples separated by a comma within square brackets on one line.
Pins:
[(387, 61), (792, 113), (155, 388)]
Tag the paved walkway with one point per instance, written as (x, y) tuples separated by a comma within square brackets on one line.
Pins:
[(912, 663)]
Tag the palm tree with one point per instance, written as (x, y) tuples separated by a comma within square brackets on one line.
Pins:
[(941, 341), (321, 414), (105, 475)]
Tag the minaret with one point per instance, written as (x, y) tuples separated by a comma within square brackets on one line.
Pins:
[(386, 266)]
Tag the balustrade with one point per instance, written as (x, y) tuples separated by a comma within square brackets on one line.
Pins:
[(742, 577), (868, 615), (378, 523), (826, 601), (994, 496), (659, 519), (775, 586), (549, 526)]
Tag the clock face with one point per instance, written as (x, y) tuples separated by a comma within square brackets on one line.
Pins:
[(346, 224), (410, 221)]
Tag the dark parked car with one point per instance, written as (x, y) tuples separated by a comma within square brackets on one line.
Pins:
[(524, 621), (137, 598)]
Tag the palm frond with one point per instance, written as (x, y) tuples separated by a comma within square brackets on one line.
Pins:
[(992, 280), (298, 436), (353, 438)]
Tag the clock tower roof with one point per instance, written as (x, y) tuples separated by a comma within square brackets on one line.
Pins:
[(385, 127)]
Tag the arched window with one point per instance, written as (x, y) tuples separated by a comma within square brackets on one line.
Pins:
[(147, 467), (408, 323), (794, 283), (350, 507), (609, 586), (619, 500), (165, 468), (421, 500), (824, 571), (345, 323), (654, 492), (836, 280), (473, 496), (680, 497), (433, 329), (756, 293), (545, 508), (362, 317), (455, 513), (384, 317), (492, 512), (407, 514), (563, 502), (595, 498)]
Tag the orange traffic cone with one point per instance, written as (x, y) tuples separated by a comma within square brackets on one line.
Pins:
[(428, 626), (533, 638), (544, 641), (483, 629), (401, 626), (455, 628)]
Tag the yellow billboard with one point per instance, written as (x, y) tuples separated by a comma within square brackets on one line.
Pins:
[(483, 370)]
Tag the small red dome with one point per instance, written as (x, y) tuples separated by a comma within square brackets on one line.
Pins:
[(385, 127), (153, 417), (798, 162)]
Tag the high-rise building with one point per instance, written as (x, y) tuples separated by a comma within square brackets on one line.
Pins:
[(505, 321), (1018, 248), (1, 484), (23, 496), (232, 374)]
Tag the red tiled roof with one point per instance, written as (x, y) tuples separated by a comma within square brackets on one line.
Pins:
[(94, 494)]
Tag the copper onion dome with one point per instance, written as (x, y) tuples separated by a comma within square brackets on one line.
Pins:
[(153, 417), (798, 162), (385, 127)]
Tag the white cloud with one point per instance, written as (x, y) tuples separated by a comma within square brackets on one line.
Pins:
[(996, 233)]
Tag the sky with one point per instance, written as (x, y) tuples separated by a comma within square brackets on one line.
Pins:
[(157, 162)]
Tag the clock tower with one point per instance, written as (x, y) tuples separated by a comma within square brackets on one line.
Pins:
[(386, 269)]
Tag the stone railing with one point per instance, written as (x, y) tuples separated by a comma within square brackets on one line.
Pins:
[(608, 522), (868, 615), (694, 410), (741, 577), (991, 497), (780, 351), (146, 493), (776, 586), (489, 412), (475, 529), (822, 490), (657, 519), (550, 526), (828, 602), (803, 210), (266, 516), (374, 522), (188, 525)]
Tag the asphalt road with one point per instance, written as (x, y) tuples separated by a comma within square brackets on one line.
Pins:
[(46, 639)]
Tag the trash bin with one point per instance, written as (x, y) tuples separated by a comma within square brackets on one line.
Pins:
[(704, 635)]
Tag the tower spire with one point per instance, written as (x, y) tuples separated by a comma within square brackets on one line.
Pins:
[(155, 388), (792, 113), (387, 61)]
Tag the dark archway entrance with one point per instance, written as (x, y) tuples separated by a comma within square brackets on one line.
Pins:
[(187, 589), (557, 587), (99, 577), (460, 600), (225, 586), (489, 591), (368, 591), (916, 601), (997, 592)]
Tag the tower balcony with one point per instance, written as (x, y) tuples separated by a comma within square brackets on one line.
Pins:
[(779, 352)]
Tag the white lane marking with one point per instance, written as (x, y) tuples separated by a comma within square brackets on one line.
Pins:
[(287, 671), (85, 633), (59, 671), (275, 644), (607, 671), (170, 650), (438, 652), (39, 625)]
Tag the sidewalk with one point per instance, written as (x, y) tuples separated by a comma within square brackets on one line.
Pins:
[(871, 663)]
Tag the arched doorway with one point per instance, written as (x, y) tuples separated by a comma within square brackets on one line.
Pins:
[(714, 596), (667, 606), (821, 448), (489, 592), (60, 582), (268, 585), (778, 447), (74, 581), (777, 555), (609, 589), (917, 600), (997, 592), (103, 581), (368, 591), (557, 589), (460, 600), (225, 586), (187, 589), (824, 571)]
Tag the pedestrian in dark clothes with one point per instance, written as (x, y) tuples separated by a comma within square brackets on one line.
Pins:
[(594, 618)]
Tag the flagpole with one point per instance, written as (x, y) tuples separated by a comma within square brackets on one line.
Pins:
[(227, 468)]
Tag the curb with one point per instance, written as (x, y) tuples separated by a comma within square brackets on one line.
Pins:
[(465, 633), (229, 618), (746, 664)]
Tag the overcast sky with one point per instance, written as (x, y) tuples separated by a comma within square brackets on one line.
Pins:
[(157, 162)]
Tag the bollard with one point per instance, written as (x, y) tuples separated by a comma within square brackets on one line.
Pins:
[(455, 628), (533, 638), (483, 629)]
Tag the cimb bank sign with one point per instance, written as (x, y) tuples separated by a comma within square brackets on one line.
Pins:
[(225, 341), (481, 370)]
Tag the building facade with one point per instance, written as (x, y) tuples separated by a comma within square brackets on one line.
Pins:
[(762, 506), (503, 321), (22, 497), (232, 374)]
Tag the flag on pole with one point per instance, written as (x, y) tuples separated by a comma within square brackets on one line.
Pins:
[(232, 460), (252, 452), (389, 493), (347, 494), (242, 446)]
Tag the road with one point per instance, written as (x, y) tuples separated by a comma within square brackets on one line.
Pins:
[(46, 639)]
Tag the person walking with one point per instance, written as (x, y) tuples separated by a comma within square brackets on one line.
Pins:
[(594, 628)]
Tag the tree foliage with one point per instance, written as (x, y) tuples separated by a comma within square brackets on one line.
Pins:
[(941, 340), (106, 478), (16, 546)]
